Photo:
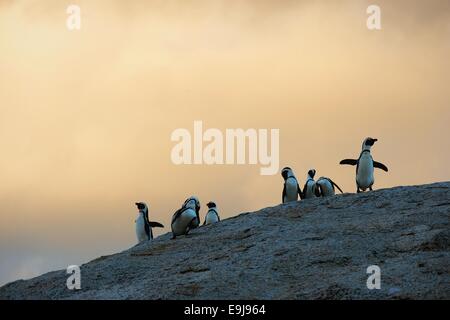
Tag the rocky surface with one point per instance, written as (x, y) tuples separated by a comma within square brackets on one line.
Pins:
[(312, 249)]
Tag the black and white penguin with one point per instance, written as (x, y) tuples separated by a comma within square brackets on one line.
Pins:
[(186, 218), (309, 190), (291, 189), (364, 166), (143, 225), (325, 187), (212, 216)]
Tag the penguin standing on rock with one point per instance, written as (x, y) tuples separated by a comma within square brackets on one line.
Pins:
[(309, 190), (365, 166), (325, 187), (143, 225), (291, 189), (186, 218), (212, 216)]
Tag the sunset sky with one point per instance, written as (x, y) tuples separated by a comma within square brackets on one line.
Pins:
[(86, 116)]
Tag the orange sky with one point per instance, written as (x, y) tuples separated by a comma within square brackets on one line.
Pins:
[(86, 116)]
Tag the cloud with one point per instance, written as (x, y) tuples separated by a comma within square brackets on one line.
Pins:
[(86, 117)]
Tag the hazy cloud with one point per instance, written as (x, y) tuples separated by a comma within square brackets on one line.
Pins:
[(86, 116)]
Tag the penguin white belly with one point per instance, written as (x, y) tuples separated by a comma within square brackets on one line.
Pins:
[(140, 229), (180, 225), (211, 217), (291, 190), (327, 188), (364, 176)]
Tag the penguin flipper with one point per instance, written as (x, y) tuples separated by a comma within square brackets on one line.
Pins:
[(300, 192), (334, 184), (305, 189), (283, 194), (154, 224), (147, 230), (177, 214), (190, 226), (379, 165), (318, 191), (352, 162)]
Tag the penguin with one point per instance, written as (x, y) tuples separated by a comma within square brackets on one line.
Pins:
[(143, 225), (365, 166), (186, 218), (291, 189), (212, 216), (309, 190), (325, 187)]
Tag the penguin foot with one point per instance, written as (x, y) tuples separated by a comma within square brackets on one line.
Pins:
[(370, 188), (173, 237)]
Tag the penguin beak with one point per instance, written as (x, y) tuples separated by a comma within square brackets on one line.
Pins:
[(138, 204), (375, 140)]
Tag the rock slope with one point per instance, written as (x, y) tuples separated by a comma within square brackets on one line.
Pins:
[(312, 249)]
